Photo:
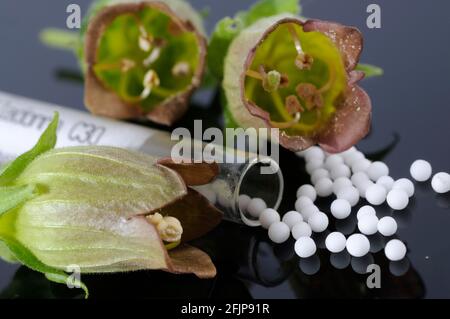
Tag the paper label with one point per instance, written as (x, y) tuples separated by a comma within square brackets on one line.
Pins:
[(23, 120)]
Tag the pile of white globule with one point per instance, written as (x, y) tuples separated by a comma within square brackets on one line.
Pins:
[(349, 176)]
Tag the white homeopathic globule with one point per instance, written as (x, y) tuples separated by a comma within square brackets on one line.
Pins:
[(340, 208), (268, 217), (376, 194), (292, 218), (279, 232), (358, 245), (256, 206), (305, 247), (335, 242), (397, 199), (395, 250), (387, 226), (301, 229), (421, 170), (365, 210), (318, 222), (368, 225), (441, 183), (308, 191)]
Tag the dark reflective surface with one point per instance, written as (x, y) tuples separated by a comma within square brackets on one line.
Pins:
[(411, 120)]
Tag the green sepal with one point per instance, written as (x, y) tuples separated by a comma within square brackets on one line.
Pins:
[(62, 278), (46, 142), (229, 28), (24, 256), (60, 39), (370, 70), (13, 196)]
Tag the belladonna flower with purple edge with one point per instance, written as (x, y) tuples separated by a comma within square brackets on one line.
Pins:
[(142, 59), (299, 76)]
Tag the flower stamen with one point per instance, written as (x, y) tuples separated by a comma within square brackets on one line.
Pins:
[(169, 228), (181, 69), (151, 80), (285, 125), (303, 61), (124, 65)]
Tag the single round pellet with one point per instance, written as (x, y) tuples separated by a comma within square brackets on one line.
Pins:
[(313, 165), (361, 166), (319, 174), (358, 245), (358, 178), (404, 184), (363, 186), (441, 182), (314, 153), (301, 229), (291, 218), (308, 211), (301, 202), (376, 194), (268, 217), (376, 170), (368, 225), (324, 187), (308, 191), (354, 158), (340, 183), (318, 222), (332, 161), (387, 226), (279, 232), (346, 154), (256, 206), (350, 194), (340, 208), (305, 247), (365, 211), (397, 199), (335, 242), (340, 170), (420, 170), (386, 181), (243, 201), (395, 250)]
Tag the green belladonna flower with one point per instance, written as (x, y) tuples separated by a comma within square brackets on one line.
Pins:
[(140, 58), (316, 100), (104, 210)]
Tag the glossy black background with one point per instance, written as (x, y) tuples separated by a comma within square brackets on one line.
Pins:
[(411, 107)]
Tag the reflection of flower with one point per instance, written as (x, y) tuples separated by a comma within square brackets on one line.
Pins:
[(299, 77)]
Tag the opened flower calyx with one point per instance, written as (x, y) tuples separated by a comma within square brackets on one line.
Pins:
[(299, 76)]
